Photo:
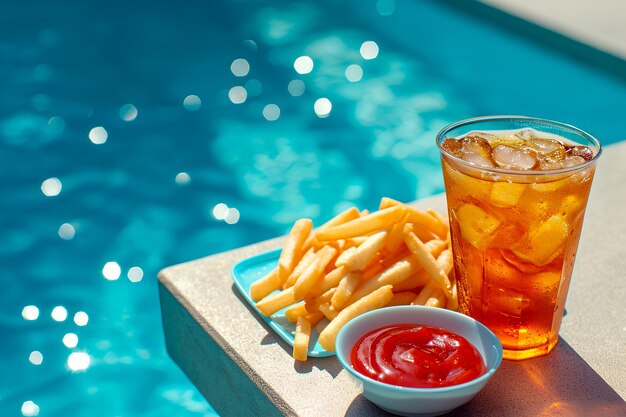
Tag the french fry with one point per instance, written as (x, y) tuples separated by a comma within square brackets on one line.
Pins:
[(345, 289), (345, 255), (453, 302), (306, 260), (418, 217), (436, 299), (445, 262), (364, 253), (427, 260), (313, 303), (373, 222), (301, 339), (293, 246), (329, 281), (425, 293), (377, 299), (396, 273), (312, 273), (416, 280), (314, 318), (328, 311), (272, 303), (295, 311), (442, 223), (343, 217), (262, 287), (402, 298), (394, 239)]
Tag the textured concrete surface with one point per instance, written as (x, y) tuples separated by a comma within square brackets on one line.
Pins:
[(222, 345), (599, 23)]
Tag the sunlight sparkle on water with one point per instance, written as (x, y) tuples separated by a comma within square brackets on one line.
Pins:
[(30, 313), (237, 94), (296, 87), (192, 103), (220, 210), (354, 73), (78, 361), (67, 231), (35, 357), (70, 340), (98, 135), (369, 50), (182, 178), (271, 112), (29, 408), (303, 64), (240, 67), (81, 318), (128, 112), (232, 216), (111, 271), (135, 274), (51, 187), (322, 107), (59, 313)]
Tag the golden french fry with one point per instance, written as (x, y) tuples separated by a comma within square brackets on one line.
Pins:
[(453, 301), (377, 299), (418, 217), (313, 303), (262, 287), (425, 293), (443, 226), (436, 246), (373, 222), (313, 272), (306, 260), (355, 241), (394, 240), (445, 262), (314, 318), (416, 280), (295, 311), (328, 311), (345, 289), (343, 217), (301, 339), (293, 246), (364, 253), (402, 298), (272, 303), (396, 273), (427, 260), (345, 255), (329, 281), (436, 299)]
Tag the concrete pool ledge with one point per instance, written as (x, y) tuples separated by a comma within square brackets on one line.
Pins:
[(243, 368)]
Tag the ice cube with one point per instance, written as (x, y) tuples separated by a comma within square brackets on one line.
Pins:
[(476, 144), (513, 158), (504, 194), (477, 226), (572, 161), (452, 146), (525, 134), (478, 159), (547, 148), (545, 242), (582, 151), (548, 165)]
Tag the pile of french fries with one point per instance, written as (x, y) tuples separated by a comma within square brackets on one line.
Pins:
[(354, 263)]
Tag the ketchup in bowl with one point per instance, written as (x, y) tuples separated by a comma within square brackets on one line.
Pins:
[(417, 356)]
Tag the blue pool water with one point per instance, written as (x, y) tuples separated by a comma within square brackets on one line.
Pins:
[(123, 150)]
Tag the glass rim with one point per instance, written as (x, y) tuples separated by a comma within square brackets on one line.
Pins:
[(513, 118)]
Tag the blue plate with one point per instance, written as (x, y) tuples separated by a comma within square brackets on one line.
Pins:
[(249, 270)]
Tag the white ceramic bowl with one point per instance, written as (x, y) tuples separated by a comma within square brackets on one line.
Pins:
[(420, 401)]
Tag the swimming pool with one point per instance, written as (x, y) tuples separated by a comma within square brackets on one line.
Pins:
[(124, 149)]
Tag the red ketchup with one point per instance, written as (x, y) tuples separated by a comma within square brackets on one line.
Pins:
[(412, 355)]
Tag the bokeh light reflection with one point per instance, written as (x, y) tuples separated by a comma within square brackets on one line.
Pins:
[(59, 313), (296, 87), (70, 340), (354, 73), (30, 313), (369, 50), (51, 187), (98, 135), (232, 216), (111, 271), (81, 318), (30, 409), (135, 274), (237, 94), (67, 231), (322, 107), (220, 210), (182, 178), (271, 112), (303, 64), (35, 357), (128, 112), (78, 361), (240, 67), (192, 103)]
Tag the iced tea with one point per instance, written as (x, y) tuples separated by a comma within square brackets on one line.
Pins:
[(516, 201)]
